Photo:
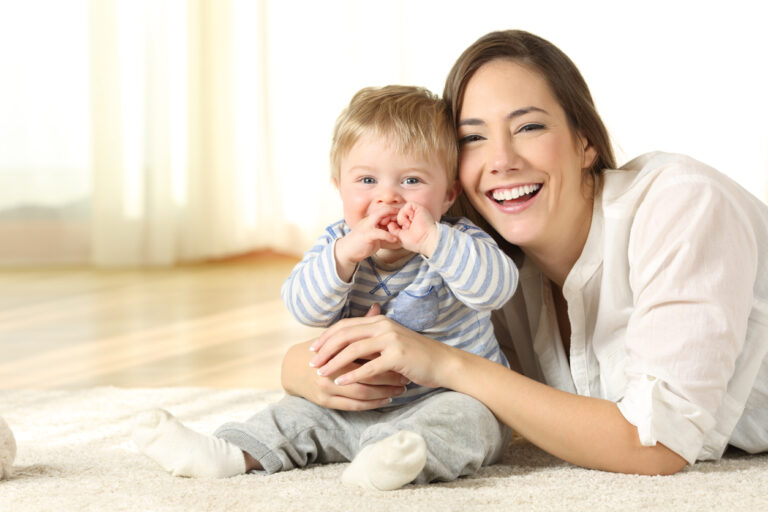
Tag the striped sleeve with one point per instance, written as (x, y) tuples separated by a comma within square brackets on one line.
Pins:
[(314, 293), (477, 271)]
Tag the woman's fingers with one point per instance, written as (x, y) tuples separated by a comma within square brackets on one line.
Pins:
[(366, 371), (342, 334), (359, 396), (343, 324), (350, 404), (392, 379), (301, 380), (374, 310), (362, 392), (363, 349), (395, 349)]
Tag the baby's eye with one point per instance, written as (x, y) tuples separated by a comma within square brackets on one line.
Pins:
[(411, 181), (367, 180)]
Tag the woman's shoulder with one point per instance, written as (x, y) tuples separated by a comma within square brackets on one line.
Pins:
[(654, 172), (650, 167)]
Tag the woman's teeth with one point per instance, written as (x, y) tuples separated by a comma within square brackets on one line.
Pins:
[(508, 194)]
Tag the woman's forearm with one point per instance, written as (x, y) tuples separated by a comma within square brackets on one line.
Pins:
[(589, 432)]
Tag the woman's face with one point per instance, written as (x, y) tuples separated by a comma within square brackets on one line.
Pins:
[(520, 163)]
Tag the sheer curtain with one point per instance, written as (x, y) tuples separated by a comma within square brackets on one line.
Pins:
[(180, 133), (151, 132), (165, 107)]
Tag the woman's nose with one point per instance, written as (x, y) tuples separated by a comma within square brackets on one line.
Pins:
[(503, 157)]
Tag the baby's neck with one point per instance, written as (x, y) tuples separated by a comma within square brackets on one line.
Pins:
[(391, 259)]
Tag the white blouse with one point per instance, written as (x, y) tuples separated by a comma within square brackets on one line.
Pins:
[(668, 305)]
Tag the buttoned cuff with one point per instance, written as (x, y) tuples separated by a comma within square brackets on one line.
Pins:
[(661, 416)]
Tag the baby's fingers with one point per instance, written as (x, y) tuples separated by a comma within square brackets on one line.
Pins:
[(406, 214)]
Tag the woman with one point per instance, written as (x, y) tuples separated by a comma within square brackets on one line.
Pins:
[(639, 331)]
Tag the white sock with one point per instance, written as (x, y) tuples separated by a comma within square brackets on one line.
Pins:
[(388, 464), (184, 452)]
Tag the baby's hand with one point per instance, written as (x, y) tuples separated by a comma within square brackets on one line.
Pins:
[(364, 240), (416, 229)]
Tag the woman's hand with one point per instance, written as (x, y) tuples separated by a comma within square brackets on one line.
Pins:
[(300, 379), (388, 346)]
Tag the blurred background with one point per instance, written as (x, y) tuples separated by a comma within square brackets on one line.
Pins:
[(157, 132)]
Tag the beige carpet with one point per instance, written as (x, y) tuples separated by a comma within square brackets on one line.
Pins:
[(74, 454)]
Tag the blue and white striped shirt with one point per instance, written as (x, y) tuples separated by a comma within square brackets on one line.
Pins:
[(448, 297)]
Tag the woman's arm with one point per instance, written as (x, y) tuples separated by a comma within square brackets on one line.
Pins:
[(588, 432), (585, 431)]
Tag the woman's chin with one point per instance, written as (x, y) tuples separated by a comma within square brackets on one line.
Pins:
[(519, 232)]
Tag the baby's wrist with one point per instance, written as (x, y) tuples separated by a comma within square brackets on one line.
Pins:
[(345, 266), (429, 243)]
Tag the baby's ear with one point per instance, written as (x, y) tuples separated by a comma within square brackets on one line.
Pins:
[(450, 196)]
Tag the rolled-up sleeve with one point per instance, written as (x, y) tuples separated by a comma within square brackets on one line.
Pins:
[(693, 261)]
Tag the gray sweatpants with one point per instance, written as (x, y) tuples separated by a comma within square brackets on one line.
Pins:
[(460, 432)]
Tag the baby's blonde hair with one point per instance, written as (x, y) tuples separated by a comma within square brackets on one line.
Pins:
[(417, 121)]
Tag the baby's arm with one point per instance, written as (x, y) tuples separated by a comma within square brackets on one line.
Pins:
[(476, 270), (314, 292), (319, 285)]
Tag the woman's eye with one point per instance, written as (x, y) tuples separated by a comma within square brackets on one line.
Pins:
[(530, 127), (411, 181), (367, 180), (469, 138)]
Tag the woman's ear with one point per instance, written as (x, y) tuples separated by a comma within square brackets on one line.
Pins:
[(451, 195), (588, 153)]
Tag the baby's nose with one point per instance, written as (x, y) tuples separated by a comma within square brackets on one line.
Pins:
[(390, 196)]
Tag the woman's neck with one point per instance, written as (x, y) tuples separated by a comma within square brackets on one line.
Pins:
[(555, 258)]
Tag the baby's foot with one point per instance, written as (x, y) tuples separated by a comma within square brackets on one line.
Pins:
[(182, 451), (388, 464)]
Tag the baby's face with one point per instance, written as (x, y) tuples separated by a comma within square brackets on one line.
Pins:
[(374, 173)]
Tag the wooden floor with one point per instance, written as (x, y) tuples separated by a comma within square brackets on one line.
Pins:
[(217, 324)]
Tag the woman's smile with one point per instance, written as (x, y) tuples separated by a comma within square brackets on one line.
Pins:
[(514, 198)]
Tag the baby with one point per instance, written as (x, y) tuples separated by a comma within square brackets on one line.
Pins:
[(394, 163)]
